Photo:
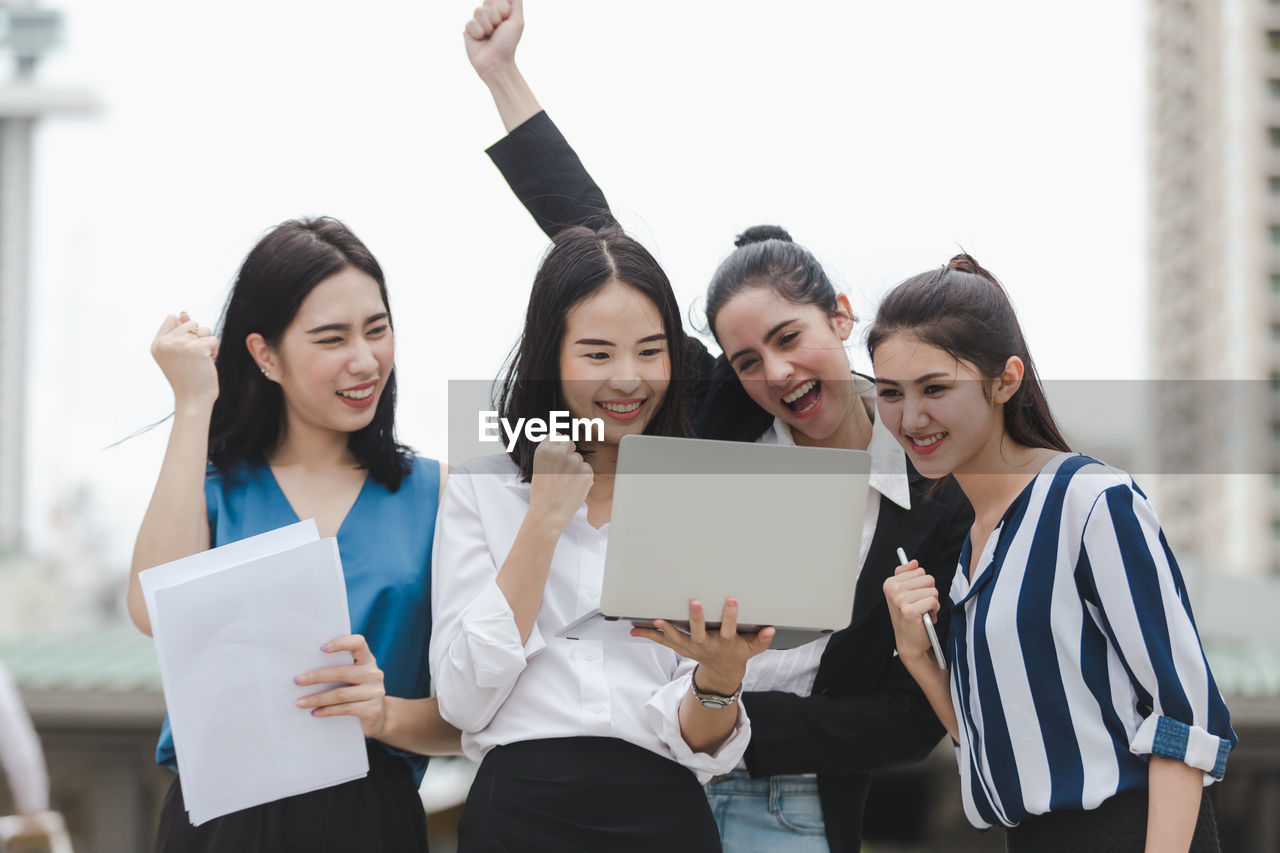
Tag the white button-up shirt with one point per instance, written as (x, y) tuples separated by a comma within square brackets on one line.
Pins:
[(499, 691)]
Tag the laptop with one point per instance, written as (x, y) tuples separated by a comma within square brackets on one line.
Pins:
[(776, 526)]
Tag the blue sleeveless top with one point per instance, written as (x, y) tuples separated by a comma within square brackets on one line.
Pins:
[(385, 544)]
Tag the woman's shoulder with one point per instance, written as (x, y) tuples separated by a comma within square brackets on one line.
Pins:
[(485, 485), (237, 476), (493, 463), (420, 466), (1077, 481)]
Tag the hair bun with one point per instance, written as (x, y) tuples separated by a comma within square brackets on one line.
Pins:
[(964, 262), (760, 233)]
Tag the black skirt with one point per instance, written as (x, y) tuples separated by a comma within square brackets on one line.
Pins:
[(1119, 825), (381, 812), (584, 795)]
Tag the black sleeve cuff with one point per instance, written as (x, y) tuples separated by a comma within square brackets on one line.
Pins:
[(546, 175)]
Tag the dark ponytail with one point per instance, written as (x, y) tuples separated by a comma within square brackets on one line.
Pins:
[(964, 311)]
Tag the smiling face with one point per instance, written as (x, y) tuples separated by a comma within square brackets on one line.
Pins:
[(613, 360), (947, 417), (790, 358), (334, 359)]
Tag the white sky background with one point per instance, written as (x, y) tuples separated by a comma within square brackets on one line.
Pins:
[(881, 135)]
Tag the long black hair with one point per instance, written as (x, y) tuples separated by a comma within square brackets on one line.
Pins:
[(964, 311), (580, 262), (274, 280)]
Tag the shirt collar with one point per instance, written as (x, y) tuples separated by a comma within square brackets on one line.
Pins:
[(888, 461), (513, 480)]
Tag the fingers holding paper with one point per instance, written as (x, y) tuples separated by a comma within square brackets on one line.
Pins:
[(362, 694)]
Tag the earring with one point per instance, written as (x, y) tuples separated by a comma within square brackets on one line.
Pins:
[(264, 372)]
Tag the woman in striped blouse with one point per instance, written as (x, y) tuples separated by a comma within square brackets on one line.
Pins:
[(1085, 714)]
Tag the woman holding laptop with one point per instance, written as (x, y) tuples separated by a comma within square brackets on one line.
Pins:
[(582, 745), (826, 715), (1079, 695)]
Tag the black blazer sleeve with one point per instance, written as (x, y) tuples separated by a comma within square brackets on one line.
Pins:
[(841, 735), (856, 727), (548, 178)]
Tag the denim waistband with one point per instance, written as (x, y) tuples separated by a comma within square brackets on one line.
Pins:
[(740, 782)]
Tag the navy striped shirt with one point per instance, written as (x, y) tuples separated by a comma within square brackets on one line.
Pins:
[(1074, 655)]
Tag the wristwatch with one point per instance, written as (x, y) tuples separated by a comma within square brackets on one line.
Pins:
[(713, 700)]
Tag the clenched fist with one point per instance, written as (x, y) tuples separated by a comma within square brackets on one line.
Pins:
[(561, 480), (185, 351)]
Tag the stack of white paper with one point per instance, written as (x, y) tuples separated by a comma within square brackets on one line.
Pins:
[(233, 626)]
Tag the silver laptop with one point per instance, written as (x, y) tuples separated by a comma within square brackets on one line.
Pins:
[(777, 527)]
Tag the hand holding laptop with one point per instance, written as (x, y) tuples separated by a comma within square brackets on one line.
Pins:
[(721, 653)]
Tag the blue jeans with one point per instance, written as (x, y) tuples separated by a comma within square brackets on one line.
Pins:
[(780, 814)]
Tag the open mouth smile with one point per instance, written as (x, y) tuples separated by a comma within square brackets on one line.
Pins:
[(926, 444), (622, 410), (359, 396), (803, 399)]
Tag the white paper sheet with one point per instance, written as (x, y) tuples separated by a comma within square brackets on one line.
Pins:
[(230, 636), (217, 559)]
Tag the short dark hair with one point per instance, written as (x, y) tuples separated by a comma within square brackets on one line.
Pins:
[(580, 262), (766, 256), (963, 310), (274, 280)]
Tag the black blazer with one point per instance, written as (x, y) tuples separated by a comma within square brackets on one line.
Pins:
[(866, 712)]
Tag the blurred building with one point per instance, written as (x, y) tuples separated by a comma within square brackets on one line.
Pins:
[(1213, 405), (1214, 294), (64, 588)]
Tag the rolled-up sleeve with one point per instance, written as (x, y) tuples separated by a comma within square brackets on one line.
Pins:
[(663, 712), (476, 654), (1144, 606)]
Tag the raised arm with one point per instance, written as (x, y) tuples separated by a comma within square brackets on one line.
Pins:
[(176, 523), (547, 176), (534, 158), (491, 37)]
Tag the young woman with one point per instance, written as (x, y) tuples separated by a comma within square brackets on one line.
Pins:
[(583, 745), (291, 416), (827, 715), (1086, 715)]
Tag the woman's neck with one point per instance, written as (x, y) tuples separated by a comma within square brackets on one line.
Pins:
[(603, 459), (310, 447), (997, 476)]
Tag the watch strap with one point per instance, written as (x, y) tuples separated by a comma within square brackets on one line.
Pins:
[(710, 699)]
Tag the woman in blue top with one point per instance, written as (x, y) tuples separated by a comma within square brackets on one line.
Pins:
[(1084, 711), (294, 419)]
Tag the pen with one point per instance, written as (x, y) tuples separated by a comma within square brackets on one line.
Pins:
[(928, 623)]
